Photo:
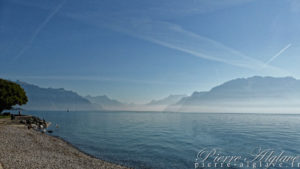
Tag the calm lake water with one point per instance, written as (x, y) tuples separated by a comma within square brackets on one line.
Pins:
[(173, 140)]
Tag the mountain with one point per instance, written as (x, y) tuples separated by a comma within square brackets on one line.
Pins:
[(53, 99), (171, 99), (255, 94), (243, 95), (106, 103), (155, 105)]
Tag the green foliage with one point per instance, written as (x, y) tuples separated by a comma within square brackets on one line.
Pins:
[(4, 117), (11, 94)]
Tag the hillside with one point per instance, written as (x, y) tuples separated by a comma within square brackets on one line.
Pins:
[(255, 94), (53, 99), (105, 102)]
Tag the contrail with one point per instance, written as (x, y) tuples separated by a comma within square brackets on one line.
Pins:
[(38, 30), (278, 54), (175, 37)]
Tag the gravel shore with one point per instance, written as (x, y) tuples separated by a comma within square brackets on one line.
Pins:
[(30, 149)]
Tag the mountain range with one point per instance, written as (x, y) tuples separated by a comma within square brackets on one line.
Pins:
[(53, 99), (252, 95), (171, 99), (104, 102), (63, 100), (255, 94)]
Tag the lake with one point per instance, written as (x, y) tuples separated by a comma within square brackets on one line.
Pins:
[(180, 140)]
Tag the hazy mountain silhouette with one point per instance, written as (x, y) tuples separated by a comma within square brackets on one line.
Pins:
[(105, 102), (255, 94), (171, 99), (54, 99)]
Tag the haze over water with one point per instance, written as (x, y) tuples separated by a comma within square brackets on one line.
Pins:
[(172, 140)]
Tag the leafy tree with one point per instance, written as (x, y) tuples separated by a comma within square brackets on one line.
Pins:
[(11, 94)]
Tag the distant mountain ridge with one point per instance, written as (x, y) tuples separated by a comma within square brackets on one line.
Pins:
[(63, 100), (105, 102), (245, 95), (54, 99), (255, 94), (171, 99)]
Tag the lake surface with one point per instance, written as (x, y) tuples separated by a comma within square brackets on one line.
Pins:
[(174, 140)]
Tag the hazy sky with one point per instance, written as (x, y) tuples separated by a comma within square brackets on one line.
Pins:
[(138, 50)]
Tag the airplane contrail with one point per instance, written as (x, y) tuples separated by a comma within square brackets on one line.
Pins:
[(175, 37), (39, 28), (278, 54)]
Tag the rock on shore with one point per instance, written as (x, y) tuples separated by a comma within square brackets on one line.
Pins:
[(28, 149)]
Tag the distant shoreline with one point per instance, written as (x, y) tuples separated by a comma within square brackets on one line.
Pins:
[(23, 148), (27, 112)]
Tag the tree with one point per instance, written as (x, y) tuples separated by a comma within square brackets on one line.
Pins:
[(11, 94)]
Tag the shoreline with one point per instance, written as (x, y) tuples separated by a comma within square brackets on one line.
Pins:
[(27, 148), (81, 151)]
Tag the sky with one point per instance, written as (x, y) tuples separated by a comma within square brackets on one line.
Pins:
[(139, 50)]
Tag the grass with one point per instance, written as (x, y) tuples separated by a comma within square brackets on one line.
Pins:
[(3, 117)]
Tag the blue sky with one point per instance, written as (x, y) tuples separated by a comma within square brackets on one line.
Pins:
[(138, 50)]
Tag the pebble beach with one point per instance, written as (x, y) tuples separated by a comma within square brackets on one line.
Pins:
[(25, 148)]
